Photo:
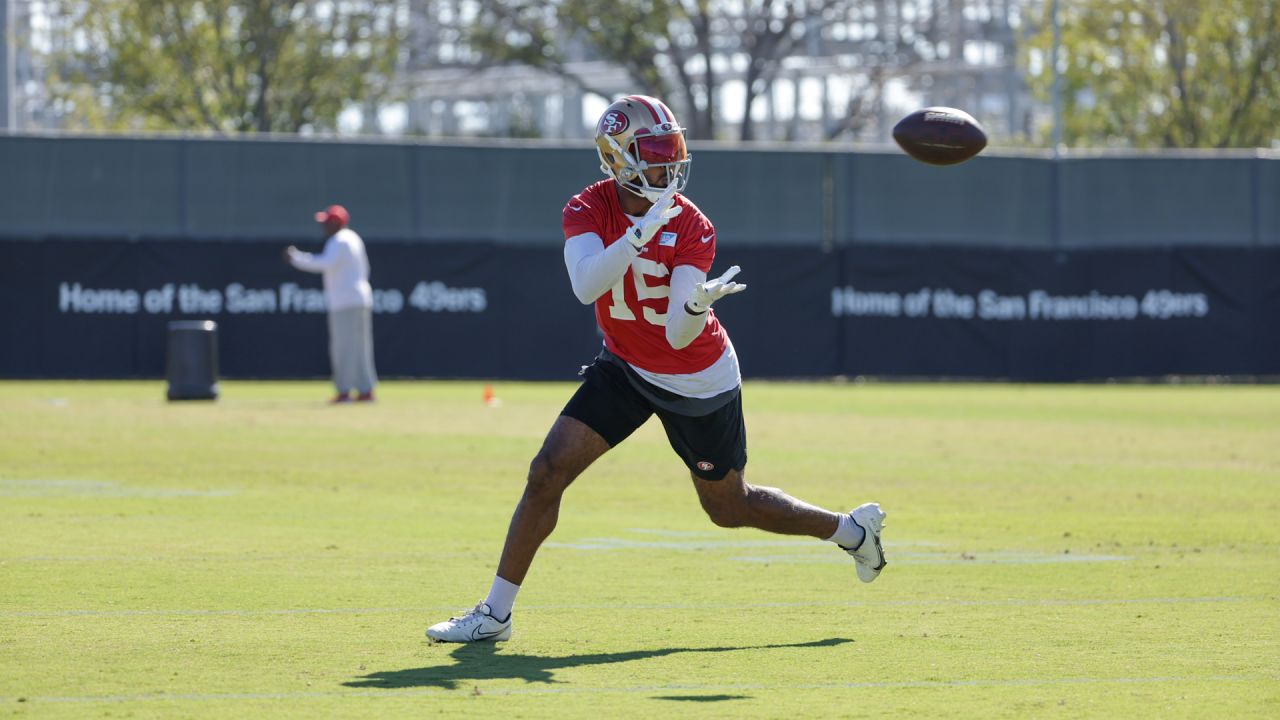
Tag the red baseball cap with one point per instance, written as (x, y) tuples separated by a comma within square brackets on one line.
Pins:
[(335, 215)]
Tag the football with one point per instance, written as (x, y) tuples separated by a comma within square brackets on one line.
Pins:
[(940, 135)]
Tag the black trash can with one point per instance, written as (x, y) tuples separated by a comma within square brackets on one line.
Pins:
[(192, 361)]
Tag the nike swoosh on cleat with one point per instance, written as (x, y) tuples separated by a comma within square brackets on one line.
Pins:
[(477, 635)]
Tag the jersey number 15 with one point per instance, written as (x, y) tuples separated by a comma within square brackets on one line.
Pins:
[(640, 267)]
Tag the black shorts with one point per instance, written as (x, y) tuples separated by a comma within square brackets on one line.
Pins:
[(711, 445)]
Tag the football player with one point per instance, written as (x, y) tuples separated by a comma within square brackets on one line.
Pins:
[(640, 251)]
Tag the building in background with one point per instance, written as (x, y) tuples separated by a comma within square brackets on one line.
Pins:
[(37, 32), (841, 70), (853, 70)]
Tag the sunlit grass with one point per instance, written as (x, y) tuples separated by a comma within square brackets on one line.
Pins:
[(1054, 551)]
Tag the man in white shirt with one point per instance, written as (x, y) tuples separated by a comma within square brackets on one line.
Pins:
[(347, 293)]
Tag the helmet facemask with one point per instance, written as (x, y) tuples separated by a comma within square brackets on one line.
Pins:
[(630, 141)]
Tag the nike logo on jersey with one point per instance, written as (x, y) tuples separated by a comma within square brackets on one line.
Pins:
[(576, 208), (707, 238)]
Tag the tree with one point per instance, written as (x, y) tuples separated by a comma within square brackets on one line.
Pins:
[(686, 51), (226, 65), (530, 32), (1166, 73), (656, 41)]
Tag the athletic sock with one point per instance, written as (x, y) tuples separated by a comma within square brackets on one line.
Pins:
[(849, 534), (502, 596)]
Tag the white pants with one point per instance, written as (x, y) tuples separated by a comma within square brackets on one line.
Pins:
[(351, 349)]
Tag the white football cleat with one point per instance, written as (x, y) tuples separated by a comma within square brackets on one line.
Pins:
[(476, 625), (868, 557)]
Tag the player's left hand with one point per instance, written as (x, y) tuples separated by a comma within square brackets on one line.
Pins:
[(705, 293)]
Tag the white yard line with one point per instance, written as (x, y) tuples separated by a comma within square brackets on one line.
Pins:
[(1007, 602), (466, 688)]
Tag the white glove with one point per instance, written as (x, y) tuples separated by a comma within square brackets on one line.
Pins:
[(705, 293), (643, 231)]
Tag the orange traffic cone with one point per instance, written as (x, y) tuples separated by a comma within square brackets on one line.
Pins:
[(490, 398)]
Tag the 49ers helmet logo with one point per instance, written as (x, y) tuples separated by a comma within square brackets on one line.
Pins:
[(614, 123)]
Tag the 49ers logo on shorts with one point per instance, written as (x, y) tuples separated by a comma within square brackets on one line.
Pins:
[(614, 122), (705, 466)]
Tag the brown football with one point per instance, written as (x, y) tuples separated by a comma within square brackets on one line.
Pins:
[(940, 135)]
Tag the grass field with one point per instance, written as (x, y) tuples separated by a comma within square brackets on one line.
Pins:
[(1079, 551)]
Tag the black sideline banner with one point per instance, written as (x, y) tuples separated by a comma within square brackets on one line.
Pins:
[(99, 309)]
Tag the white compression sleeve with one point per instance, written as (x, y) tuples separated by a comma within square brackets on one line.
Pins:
[(594, 268), (683, 327)]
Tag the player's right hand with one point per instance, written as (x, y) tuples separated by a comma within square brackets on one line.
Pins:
[(659, 214)]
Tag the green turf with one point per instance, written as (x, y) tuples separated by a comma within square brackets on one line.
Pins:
[(1080, 551)]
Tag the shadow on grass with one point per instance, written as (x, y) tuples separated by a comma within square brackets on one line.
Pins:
[(701, 698), (483, 661)]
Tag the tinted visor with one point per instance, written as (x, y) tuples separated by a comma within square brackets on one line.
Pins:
[(661, 149)]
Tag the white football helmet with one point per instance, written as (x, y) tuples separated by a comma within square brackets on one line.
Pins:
[(637, 133)]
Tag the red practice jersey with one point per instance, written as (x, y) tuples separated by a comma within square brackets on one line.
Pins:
[(633, 315)]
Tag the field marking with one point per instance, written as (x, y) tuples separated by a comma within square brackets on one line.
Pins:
[(589, 544), (625, 544), (1008, 602), (998, 557), (715, 533), (674, 533), (469, 689), (97, 489), (939, 557), (330, 555), (609, 543)]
